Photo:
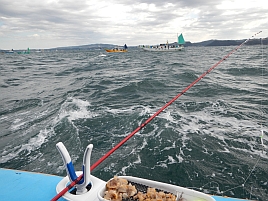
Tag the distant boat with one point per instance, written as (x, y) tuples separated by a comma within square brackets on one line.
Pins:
[(166, 47), (117, 49), (10, 51), (25, 52)]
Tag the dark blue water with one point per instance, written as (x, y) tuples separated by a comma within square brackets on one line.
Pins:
[(208, 140)]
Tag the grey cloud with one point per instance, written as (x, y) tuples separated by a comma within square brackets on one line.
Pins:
[(178, 3), (78, 22)]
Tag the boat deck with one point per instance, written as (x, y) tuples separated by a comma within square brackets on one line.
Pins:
[(26, 186)]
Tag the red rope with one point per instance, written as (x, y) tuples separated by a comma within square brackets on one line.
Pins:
[(146, 122)]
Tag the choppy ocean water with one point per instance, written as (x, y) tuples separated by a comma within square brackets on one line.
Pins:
[(208, 139)]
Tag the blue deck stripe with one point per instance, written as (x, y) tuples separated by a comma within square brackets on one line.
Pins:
[(219, 198), (27, 186)]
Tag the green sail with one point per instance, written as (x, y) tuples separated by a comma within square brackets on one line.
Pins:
[(181, 40)]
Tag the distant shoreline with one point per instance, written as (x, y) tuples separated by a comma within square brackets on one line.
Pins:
[(207, 43)]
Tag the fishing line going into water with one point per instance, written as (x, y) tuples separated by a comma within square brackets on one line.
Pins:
[(261, 138), (243, 185), (262, 75), (60, 194)]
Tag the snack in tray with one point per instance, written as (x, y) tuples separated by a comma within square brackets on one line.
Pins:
[(119, 189)]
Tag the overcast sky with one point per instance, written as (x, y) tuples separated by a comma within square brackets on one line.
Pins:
[(57, 23)]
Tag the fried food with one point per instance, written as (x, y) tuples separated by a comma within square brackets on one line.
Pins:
[(118, 189)]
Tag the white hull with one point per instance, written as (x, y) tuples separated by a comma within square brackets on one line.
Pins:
[(180, 192), (162, 49), (97, 184)]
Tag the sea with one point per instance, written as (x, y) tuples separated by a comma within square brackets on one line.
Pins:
[(213, 138)]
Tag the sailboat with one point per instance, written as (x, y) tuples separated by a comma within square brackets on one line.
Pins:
[(177, 46), (25, 52)]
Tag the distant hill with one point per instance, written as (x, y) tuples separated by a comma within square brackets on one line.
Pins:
[(228, 42), (86, 47), (207, 43), (97, 46)]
